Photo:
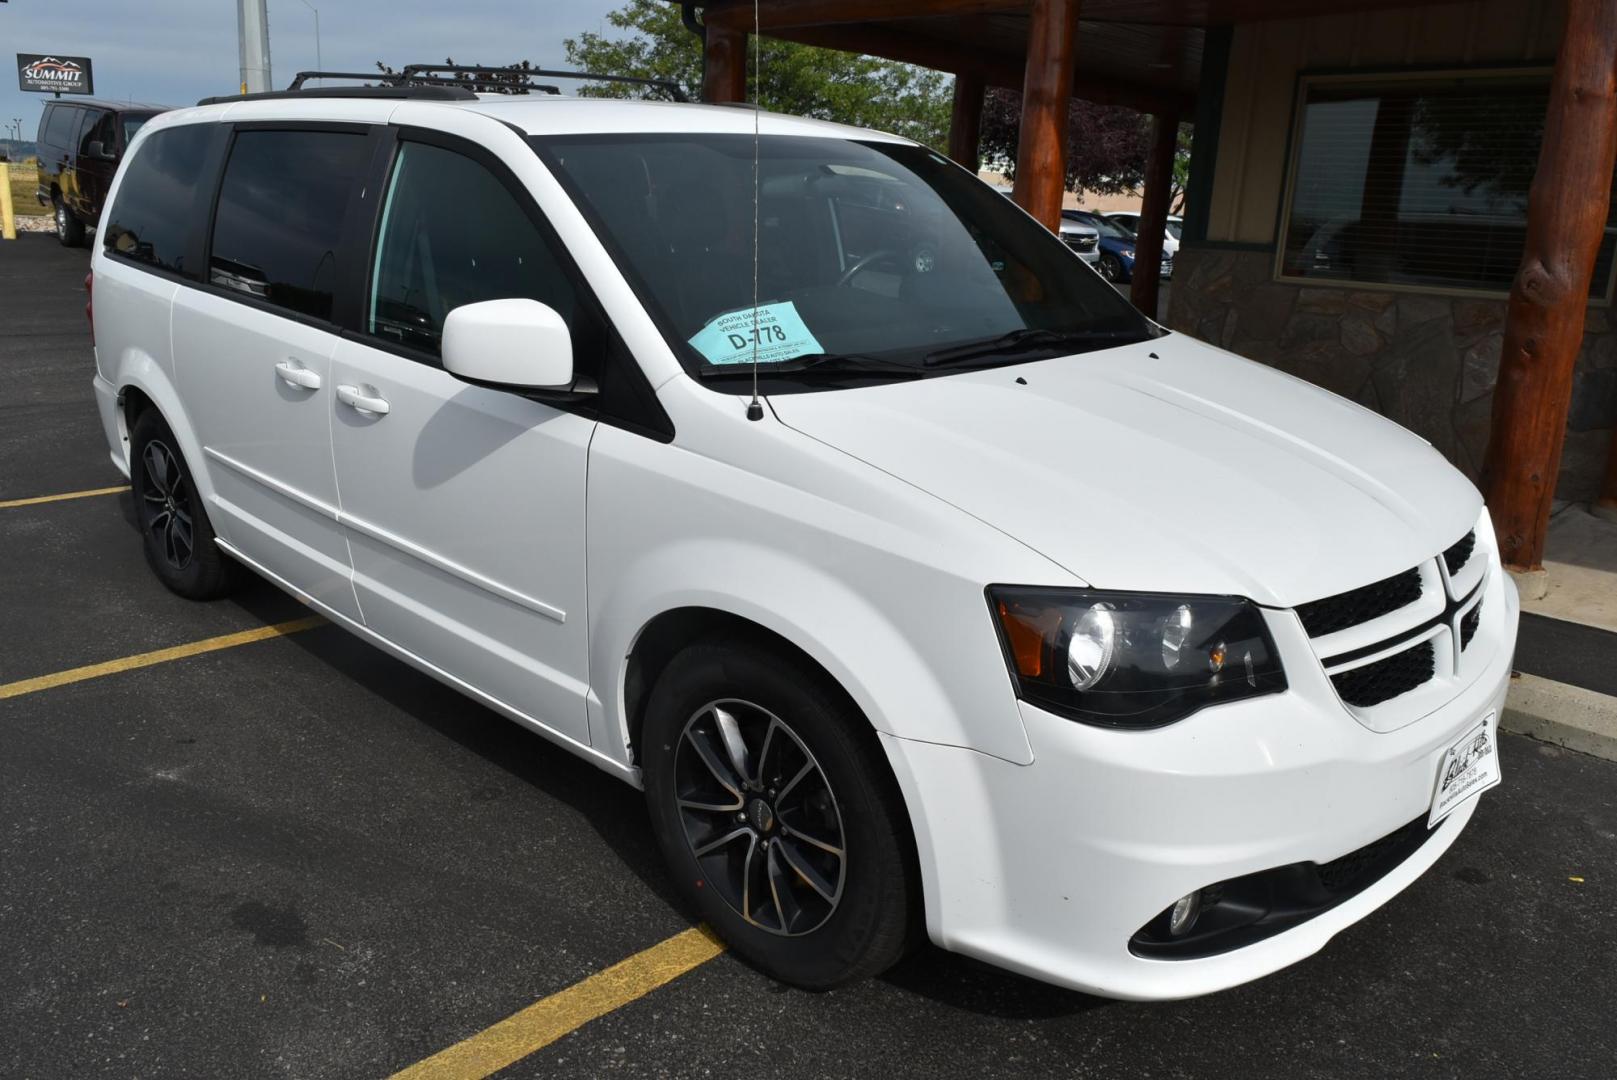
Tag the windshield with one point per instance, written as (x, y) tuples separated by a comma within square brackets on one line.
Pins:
[(131, 125), (877, 255)]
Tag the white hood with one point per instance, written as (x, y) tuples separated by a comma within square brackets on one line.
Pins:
[(1166, 466)]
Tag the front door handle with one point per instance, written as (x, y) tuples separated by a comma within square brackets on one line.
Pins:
[(296, 374), (353, 397)]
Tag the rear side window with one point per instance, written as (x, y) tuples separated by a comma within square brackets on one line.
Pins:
[(58, 126), (156, 205), (452, 234), (279, 225)]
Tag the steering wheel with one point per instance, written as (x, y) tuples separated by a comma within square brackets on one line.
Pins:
[(861, 263)]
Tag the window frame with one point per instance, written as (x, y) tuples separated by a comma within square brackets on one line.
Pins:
[(1294, 142)]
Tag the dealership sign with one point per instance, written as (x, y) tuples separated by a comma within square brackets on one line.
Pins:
[(54, 74)]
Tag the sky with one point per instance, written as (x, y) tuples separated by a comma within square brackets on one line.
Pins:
[(173, 52)]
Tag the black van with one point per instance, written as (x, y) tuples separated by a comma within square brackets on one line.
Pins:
[(80, 143)]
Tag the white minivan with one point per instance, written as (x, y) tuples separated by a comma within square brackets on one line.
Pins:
[(790, 472)]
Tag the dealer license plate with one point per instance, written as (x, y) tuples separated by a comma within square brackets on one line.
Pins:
[(1470, 767)]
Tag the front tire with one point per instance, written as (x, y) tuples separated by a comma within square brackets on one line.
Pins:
[(1111, 268), (69, 229), (770, 800), (175, 531)]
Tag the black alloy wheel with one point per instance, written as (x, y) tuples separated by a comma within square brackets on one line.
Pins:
[(175, 531), (774, 806)]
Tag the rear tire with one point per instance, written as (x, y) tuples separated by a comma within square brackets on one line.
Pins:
[(175, 531), (812, 781), (69, 229)]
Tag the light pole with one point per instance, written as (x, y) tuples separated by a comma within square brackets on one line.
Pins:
[(319, 64)]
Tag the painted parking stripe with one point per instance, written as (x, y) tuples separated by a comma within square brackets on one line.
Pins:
[(159, 656), (37, 499), (548, 1019)]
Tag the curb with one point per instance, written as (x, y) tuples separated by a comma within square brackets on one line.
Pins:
[(1559, 713)]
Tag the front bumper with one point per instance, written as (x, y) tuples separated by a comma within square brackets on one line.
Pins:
[(1049, 869)]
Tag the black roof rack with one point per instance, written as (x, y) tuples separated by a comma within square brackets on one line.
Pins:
[(440, 82), (446, 92)]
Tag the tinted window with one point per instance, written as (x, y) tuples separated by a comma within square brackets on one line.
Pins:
[(280, 218), (452, 234), (97, 127), (58, 126), (156, 203), (1418, 181), (133, 124)]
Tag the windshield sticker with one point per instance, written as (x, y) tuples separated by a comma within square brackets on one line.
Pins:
[(781, 333)]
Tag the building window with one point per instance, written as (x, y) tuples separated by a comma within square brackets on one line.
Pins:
[(1417, 181)]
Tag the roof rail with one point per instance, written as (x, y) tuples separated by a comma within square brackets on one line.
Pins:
[(419, 92), (458, 71), (440, 82)]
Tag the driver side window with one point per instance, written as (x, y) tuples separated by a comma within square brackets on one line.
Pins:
[(453, 234)]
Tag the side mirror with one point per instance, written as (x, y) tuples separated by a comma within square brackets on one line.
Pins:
[(516, 343), (97, 151)]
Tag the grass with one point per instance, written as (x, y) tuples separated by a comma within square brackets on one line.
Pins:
[(24, 182)]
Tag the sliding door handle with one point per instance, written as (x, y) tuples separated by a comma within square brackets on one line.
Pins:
[(356, 398), (296, 374)]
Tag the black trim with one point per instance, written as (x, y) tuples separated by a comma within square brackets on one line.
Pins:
[(1208, 120), (1408, 638), (1243, 911)]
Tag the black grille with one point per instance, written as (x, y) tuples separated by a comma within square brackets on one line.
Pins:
[(1460, 554), (1345, 873), (1468, 625), (1386, 679), (1321, 617)]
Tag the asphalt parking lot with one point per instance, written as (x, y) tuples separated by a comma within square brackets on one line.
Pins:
[(296, 857)]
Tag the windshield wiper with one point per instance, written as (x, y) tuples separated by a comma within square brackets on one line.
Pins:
[(821, 364), (1029, 338)]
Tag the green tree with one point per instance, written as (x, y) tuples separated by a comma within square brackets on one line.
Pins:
[(821, 83)]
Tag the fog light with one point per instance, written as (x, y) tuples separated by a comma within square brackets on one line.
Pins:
[(1183, 915)]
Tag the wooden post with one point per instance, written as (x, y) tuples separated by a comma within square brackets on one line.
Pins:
[(1154, 212), (1566, 214), (1041, 149), (724, 66), (966, 121)]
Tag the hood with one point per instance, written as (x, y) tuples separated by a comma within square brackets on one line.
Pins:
[(1165, 466)]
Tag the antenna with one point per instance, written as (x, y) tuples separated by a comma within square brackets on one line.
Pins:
[(755, 408)]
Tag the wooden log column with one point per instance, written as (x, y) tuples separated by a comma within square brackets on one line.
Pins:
[(966, 121), (1146, 284), (1041, 149), (724, 65), (1566, 213)]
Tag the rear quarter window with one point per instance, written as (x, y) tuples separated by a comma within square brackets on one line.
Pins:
[(57, 127), (156, 206)]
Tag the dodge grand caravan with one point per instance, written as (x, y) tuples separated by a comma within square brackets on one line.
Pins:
[(995, 613)]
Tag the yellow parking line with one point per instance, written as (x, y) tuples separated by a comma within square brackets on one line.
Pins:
[(159, 656), (37, 499), (548, 1019)]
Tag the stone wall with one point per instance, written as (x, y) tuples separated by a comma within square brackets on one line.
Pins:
[(1427, 361)]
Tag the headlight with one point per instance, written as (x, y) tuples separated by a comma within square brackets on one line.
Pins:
[(1133, 660), (1128, 253)]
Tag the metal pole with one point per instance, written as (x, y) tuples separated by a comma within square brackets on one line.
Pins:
[(319, 64), (252, 31)]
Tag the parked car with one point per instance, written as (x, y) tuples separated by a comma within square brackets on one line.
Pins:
[(1131, 221), (1082, 238), (945, 595), (1116, 247), (80, 144)]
